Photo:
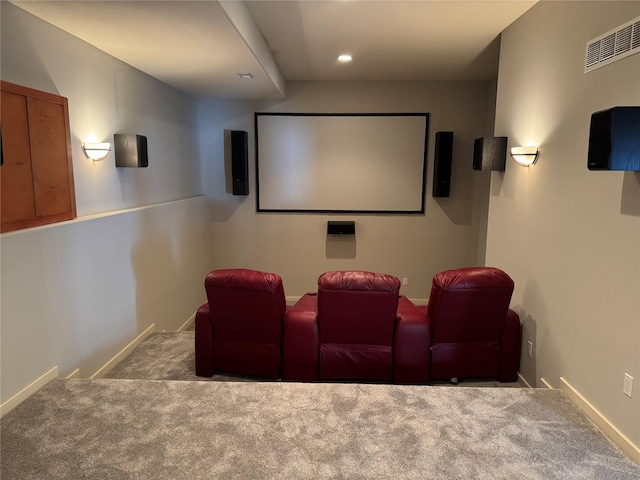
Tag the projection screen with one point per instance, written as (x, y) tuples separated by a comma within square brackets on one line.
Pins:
[(341, 162)]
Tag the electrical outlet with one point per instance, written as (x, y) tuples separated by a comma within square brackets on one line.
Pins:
[(405, 281), (627, 388), (530, 348)]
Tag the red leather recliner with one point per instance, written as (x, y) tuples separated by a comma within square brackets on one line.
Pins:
[(239, 329), (473, 331), (357, 326)]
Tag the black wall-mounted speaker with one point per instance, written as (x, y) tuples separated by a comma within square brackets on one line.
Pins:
[(490, 153), (614, 139), (347, 227), (443, 158), (131, 150), (240, 162), (478, 146)]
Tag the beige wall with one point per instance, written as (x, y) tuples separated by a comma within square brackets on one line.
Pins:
[(570, 237), (75, 293), (296, 245)]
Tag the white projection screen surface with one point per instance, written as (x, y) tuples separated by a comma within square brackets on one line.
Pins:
[(355, 163)]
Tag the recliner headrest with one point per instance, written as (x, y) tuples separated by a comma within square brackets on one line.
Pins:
[(244, 279), (359, 280), (472, 277)]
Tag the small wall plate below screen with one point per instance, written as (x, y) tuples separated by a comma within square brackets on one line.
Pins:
[(341, 227)]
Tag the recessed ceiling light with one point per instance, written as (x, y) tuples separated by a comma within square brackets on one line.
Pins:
[(245, 75), (345, 58)]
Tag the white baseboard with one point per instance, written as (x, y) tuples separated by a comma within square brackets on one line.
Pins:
[(27, 391), (546, 384), (523, 380), (123, 353), (188, 323), (618, 438), (52, 374)]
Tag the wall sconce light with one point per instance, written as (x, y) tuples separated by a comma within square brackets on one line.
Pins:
[(96, 151), (524, 156)]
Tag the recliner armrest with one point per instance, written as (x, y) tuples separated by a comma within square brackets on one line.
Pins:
[(204, 342), (412, 342), (510, 348), (301, 343)]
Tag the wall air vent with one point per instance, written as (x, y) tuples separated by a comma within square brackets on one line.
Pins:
[(614, 45)]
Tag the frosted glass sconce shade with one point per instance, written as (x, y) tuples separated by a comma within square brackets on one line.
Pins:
[(96, 151), (524, 156)]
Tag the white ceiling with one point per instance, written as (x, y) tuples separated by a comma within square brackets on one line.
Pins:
[(201, 46)]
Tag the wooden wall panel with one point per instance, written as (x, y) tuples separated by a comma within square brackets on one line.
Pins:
[(37, 174), (49, 157), (16, 176)]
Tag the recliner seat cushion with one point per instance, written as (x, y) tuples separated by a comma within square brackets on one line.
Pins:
[(357, 312)]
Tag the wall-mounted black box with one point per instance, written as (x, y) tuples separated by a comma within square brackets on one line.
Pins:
[(490, 153), (614, 139), (341, 228), (131, 150)]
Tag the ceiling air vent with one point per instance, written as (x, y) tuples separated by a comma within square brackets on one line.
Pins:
[(614, 45)]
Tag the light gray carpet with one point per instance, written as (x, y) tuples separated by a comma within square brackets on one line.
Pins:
[(166, 356), (129, 427), (132, 429)]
